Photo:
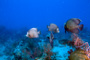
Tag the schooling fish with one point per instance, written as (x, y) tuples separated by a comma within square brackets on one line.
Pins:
[(72, 25), (33, 33), (53, 28)]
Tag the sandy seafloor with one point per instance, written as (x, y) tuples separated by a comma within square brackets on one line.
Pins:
[(10, 39)]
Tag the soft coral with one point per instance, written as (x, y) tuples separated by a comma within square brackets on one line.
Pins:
[(80, 44), (48, 52)]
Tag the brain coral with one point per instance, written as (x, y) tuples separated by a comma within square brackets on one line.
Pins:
[(79, 54)]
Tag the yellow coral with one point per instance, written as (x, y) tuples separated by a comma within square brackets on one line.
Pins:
[(79, 54)]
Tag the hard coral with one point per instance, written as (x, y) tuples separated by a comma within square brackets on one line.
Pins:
[(48, 52), (82, 47), (79, 54)]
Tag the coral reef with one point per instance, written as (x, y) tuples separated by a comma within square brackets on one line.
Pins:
[(16, 46), (78, 54), (27, 51), (48, 52), (82, 49)]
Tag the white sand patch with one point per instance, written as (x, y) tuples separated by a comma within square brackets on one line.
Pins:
[(62, 52)]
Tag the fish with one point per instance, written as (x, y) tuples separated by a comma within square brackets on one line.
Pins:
[(33, 33), (73, 25), (53, 28), (51, 39)]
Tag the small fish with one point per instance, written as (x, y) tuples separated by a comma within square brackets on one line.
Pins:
[(33, 33), (51, 39), (72, 25), (53, 28)]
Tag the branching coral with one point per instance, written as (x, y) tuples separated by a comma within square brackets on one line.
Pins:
[(48, 52)]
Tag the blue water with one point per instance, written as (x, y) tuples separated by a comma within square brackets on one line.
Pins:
[(18, 16), (39, 13)]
